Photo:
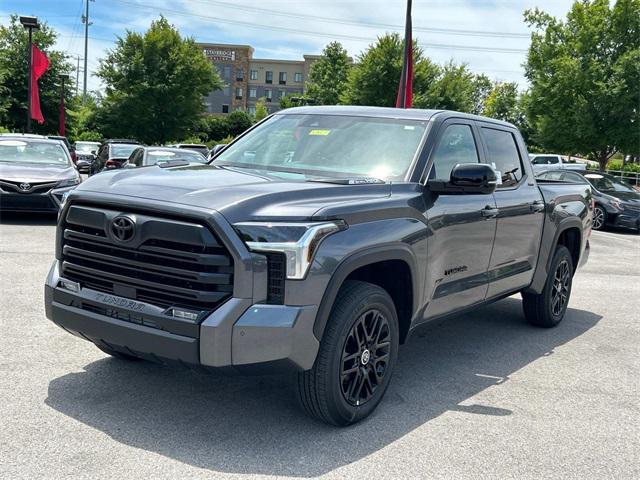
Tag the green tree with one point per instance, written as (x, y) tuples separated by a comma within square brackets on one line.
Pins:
[(375, 77), (503, 103), (238, 122), (215, 127), (482, 86), (261, 110), (585, 75), (14, 71), (328, 75), (453, 89), (154, 85)]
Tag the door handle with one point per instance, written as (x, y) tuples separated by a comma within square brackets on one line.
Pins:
[(489, 212), (537, 206)]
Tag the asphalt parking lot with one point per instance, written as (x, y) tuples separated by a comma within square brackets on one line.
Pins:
[(483, 395)]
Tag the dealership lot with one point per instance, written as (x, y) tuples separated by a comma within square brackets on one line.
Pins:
[(483, 395)]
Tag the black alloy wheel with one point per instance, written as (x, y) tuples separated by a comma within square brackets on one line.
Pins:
[(561, 288), (365, 357), (548, 308), (356, 358)]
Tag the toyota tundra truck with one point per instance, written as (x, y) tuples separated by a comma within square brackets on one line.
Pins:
[(315, 243)]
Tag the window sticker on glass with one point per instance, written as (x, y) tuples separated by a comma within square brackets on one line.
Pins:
[(161, 154), (409, 127), (319, 132)]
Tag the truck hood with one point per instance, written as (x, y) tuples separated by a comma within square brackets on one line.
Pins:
[(239, 194)]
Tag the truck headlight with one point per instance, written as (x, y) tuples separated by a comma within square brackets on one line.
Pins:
[(297, 241)]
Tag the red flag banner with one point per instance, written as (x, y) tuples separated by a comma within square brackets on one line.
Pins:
[(405, 89), (39, 65)]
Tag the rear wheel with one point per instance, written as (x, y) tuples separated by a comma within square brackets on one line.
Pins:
[(356, 357), (599, 218), (548, 308)]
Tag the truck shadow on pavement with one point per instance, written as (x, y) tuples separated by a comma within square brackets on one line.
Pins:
[(252, 425)]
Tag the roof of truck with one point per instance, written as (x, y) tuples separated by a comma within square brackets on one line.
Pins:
[(385, 112)]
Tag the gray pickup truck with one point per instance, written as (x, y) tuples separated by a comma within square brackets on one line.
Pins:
[(315, 243)]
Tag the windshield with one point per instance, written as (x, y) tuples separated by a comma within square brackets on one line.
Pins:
[(329, 145), (86, 147), (123, 150), (607, 183), (33, 151), (154, 156)]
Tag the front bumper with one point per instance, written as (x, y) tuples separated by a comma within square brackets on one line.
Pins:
[(627, 218), (247, 337), (48, 202)]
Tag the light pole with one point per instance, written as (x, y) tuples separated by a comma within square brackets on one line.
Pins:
[(61, 119), (30, 23)]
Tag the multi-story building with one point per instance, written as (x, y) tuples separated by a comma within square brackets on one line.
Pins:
[(247, 79)]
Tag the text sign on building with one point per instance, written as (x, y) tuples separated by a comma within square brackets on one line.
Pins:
[(220, 55)]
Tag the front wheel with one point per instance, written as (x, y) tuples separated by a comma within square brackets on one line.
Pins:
[(357, 355), (548, 308), (599, 218)]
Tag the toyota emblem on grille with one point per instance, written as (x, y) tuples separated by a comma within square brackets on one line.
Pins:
[(25, 186), (123, 228)]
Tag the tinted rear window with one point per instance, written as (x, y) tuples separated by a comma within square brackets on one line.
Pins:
[(503, 156)]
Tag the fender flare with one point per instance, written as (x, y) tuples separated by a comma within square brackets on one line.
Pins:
[(543, 265), (359, 259)]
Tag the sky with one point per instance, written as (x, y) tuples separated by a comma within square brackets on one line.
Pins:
[(490, 36)]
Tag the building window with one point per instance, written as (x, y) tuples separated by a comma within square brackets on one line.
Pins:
[(268, 77), (297, 77), (226, 72), (239, 93), (282, 78), (225, 108), (268, 94), (239, 75), (251, 110), (253, 93), (226, 91), (253, 75), (281, 93)]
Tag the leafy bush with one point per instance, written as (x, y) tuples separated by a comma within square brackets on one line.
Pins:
[(89, 136)]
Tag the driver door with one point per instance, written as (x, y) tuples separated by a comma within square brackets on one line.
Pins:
[(461, 227)]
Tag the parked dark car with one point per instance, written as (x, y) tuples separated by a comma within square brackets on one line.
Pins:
[(316, 242), (86, 153), (198, 147), (35, 174), (114, 153), (215, 150), (617, 203), (146, 156)]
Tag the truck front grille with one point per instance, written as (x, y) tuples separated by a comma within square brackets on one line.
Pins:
[(169, 262)]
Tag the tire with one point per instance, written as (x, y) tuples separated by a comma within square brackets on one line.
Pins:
[(599, 218), (361, 339), (548, 308), (118, 355)]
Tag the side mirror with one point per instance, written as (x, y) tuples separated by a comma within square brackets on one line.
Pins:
[(467, 178), (93, 152)]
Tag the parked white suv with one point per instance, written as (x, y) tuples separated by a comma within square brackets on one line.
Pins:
[(549, 161)]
